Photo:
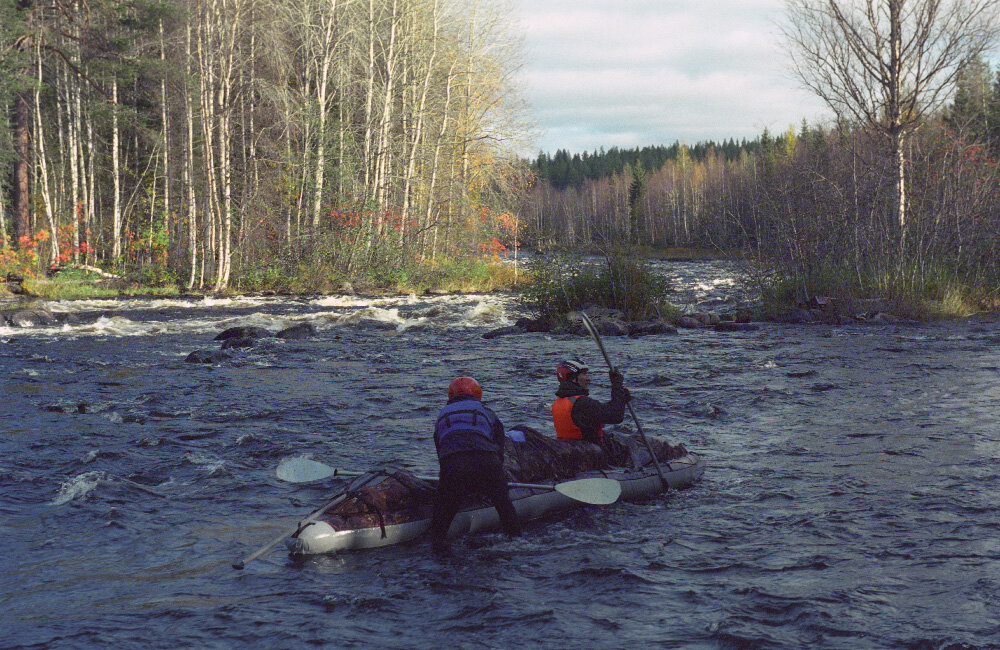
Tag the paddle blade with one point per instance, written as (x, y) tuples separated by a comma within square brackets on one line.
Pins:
[(596, 491), (303, 470)]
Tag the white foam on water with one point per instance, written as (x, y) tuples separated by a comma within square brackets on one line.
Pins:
[(124, 327), (115, 304), (715, 284), (245, 437), (113, 325), (484, 312), (77, 487), (211, 464), (271, 322), (390, 316), (342, 301)]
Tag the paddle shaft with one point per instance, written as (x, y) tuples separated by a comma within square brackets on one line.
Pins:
[(642, 434), (434, 479)]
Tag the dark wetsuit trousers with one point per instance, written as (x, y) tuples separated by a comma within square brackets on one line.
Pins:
[(471, 472)]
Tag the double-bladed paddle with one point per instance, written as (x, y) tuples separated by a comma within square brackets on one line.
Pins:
[(595, 491)]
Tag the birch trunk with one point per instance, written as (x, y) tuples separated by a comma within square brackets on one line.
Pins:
[(76, 158), (116, 229), (411, 165), (165, 124), (192, 208), (384, 152), (369, 96), (43, 167), (322, 97), (436, 162)]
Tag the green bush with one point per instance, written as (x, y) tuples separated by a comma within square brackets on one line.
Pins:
[(621, 282), (270, 277), (927, 292), (462, 274), (153, 275)]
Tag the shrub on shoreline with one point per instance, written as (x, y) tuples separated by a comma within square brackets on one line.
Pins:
[(620, 282), (916, 294)]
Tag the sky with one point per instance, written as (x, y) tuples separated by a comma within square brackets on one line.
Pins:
[(632, 73)]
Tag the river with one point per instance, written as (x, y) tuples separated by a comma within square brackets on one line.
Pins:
[(849, 501)]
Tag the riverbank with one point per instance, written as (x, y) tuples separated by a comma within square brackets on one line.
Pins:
[(810, 300), (831, 295), (449, 276)]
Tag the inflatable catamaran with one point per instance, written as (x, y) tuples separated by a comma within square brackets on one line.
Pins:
[(386, 507)]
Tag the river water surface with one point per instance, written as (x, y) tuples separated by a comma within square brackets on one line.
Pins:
[(850, 499)]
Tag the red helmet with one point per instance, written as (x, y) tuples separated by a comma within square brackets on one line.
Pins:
[(465, 386), (568, 370)]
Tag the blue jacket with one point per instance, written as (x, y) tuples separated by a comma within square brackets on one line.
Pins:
[(464, 424)]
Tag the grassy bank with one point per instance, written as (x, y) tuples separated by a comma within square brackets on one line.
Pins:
[(449, 276), (930, 294), (77, 284), (455, 275)]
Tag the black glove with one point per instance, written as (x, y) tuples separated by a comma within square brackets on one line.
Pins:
[(616, 377)]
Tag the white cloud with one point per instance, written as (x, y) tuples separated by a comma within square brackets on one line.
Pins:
[(642, 72)]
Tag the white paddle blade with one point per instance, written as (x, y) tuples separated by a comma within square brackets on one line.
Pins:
[(598, 491), (302, 470)]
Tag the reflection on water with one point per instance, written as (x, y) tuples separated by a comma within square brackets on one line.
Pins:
[(849, 501)]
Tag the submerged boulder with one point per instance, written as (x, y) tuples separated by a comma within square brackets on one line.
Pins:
[(207, 356), (503, 331), (243, 331), (300, 331), (645, 328), (611, 327), (238, 342), (31, 318), (541, 324)]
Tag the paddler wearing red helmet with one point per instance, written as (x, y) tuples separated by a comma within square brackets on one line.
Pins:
[(469, 438), (575, 414)]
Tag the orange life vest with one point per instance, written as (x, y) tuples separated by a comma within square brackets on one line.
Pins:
[(562, 418)]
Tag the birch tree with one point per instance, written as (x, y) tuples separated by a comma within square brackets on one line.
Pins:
[(888, 63)]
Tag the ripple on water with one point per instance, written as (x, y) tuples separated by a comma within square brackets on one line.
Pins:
[(77, 487)]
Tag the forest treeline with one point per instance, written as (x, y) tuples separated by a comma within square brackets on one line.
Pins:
[(563, 169), (213, 139), (204, 142), (814, 204)]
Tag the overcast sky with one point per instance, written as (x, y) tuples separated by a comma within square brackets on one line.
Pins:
[(630, 73)]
